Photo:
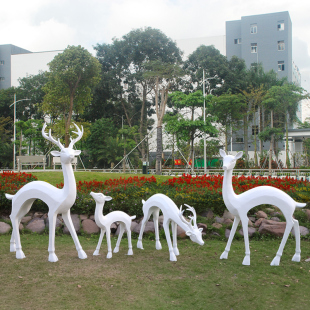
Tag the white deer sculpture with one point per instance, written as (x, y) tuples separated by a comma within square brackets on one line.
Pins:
[(104, 222), (57, 200), (171, 214), (239, 205)]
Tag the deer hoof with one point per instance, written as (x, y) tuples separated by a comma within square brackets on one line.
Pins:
[(275, 261), (130, 252), (116, 249), (20, 254), (12, 247), (173, 258), (109, 255), (139, 245), (96, 252), (246, 260), (158, 245), (224, 255), (52, 258), (82, 254), (176, 251), (296, 258)]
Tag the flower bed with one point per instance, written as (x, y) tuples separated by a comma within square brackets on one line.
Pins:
[(200, 192)]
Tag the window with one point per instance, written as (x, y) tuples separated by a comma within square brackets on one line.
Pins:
[(253, 47), (281, 46), (1, 62), (281, 65), (254, 130), (239, 140), (253, 28), (237, 41), (280, 25), (2, 78)]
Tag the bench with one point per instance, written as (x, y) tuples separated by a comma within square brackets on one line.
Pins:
[(33, 161), (56, 161)]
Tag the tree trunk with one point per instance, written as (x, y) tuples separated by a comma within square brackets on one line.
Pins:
[(159, 150), (245, 138), (271, 142), (288, 163)]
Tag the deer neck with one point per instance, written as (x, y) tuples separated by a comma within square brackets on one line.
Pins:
[(69, 179), (227, 190), (99, 218)]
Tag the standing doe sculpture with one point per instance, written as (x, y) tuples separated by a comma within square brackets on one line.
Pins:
[(171, 214), (104, 222), (57, 200), (239, 205)]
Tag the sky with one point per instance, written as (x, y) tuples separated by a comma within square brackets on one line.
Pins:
[(45, 25)]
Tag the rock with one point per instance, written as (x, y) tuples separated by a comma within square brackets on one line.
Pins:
[(113, 228), (272, 227), (214, 233), (149, 227), (217, 225), (181, 232), (252, 219), (207, 213), (303, 231), (4, 228), (219, 220), (227, 233), (132, 228), (58, 222), (90, 227), (228, 215), (276, 213), (76, 224), (36, 225), (276, 219), (92, 217), (308, 214), (21, 226), (228, 222), (261, 214), (251, 231), (161, 220), (203, 226), (38, 214), (269, 210), (83, 217), (26, 219), (250, 224), (258, 222)]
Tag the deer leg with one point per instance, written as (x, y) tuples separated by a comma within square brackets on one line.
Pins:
[(244, 221), (231, 237), (52, 257), (155, 219), (296, 257), (288, 228), (19, 252), (108, 233), (68, 221), (145, 219), (174, 228), (121, 231), (173, 258), (96, 252), (128, 226)]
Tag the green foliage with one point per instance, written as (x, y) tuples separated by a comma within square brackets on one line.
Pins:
[(301, 216)]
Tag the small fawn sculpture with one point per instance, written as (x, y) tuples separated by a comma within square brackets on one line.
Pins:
[(171, 214), (104, 222), (57, 200), (239, 205)]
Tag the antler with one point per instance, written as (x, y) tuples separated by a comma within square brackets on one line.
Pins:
[(79, 133), (50, 138), (194, 217), (183, 219)]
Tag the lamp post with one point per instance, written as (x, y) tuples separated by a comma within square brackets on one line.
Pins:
[(204, 120), (14, 149)]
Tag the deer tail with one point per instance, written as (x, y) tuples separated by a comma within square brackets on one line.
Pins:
[(143, 201), (8, 196), (300, 205), (133, 217)]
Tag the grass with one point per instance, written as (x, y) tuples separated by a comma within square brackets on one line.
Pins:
[(56, 177), (148, 280)]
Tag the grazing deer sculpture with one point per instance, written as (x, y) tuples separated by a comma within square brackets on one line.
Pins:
[(239, 205), (104, 222), (171, 214), (57, 200)]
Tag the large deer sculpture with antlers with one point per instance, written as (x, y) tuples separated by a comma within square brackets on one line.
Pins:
[(59, 201), (171, 214), (239, 205)]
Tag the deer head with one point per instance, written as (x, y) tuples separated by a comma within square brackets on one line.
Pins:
[(66, 154), (100, 198), (229, 161), (194, 232)]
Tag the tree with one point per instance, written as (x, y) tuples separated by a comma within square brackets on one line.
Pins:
[(72, 76)]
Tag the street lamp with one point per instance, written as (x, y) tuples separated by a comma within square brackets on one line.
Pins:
[(204, 120), (14, 150)]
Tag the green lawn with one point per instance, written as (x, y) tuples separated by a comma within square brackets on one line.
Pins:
[(148, 280)]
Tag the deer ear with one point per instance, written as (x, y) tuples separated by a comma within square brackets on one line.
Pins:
[(200, 229), (188, 233), (239, 155), (108, 198), (222, 153), (55, 153), (77, 152)]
